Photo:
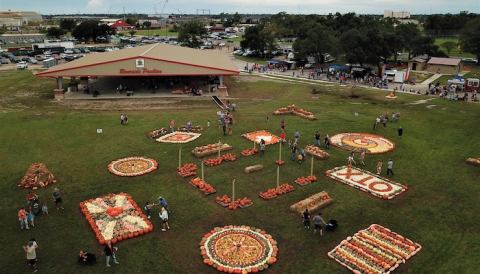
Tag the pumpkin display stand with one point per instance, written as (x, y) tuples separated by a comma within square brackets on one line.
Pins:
[(132, 166), (238, 249), (115, 217), (372, 143)]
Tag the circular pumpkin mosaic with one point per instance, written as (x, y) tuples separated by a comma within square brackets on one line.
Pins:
[(132, 166), (238, 249), (373, 144)]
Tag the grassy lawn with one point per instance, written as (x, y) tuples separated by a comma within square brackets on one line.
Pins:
[(439, 211), (442, 80), (456, 52), (153, 32)]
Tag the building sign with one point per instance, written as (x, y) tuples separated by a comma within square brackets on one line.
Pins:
[(140, 71), (139, 63)]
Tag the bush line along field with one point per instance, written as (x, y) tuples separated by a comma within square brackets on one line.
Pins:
[(439, 210)]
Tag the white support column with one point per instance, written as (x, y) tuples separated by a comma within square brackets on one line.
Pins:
[(221, 81), (60, 83)]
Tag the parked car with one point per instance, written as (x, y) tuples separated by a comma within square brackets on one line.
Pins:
[(39, 57), (22, 65), (32, 60), (4, 61)]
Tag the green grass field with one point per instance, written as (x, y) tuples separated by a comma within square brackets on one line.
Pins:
[(439, 211), (455, 52)]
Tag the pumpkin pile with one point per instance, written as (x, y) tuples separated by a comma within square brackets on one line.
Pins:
[(275, 192), (210, 149), (227, 202), (187, 170), (474, 161), (157, 133), (292, 109), (229, 157), (203, 186), (316, 152), (37, 176), (303, 181), (195, 129), (249, 152)]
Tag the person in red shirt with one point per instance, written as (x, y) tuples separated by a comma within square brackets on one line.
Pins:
[(22, 217), (283, 136)]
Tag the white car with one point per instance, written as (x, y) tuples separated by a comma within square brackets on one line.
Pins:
[(22, 65)]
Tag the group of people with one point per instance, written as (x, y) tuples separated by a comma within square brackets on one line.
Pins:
[(318, 222), (163, 213), (26, 217), (226, 121), (123, 119)]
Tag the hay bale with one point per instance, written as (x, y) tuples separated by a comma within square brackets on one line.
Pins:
[(314, 202), (250, 169)]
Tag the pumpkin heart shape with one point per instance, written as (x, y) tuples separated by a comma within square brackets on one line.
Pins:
[(114, 211)]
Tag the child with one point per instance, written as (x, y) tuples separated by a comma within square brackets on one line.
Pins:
[(379, 167), (44, 209), (148, 209), (31, 218)]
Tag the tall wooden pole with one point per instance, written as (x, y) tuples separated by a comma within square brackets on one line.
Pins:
[(280, 152), (203, 177), (278, 176), (233, 190), (254, 143), (311, 167)]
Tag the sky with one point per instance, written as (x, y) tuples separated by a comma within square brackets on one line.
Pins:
[(241, 6)]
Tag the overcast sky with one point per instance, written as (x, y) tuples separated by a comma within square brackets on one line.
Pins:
[(242, 6)]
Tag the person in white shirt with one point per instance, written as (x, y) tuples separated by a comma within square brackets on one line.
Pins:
[(390, 167), (31, 254), (351, 160), (163, 214)]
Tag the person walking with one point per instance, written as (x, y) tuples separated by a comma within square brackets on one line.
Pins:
[(122, 118), (317, 223), (57, 198), (262, 147), (306, 219), (282, 125), (172, 126), (317, 139), (379, 167), (148, 210), (22, 217), (400, 131), (326, 141), (110, 253), (283, 136), (362, 156), (296, 136), (31, 253), (390, 167), (294, 151), (163, 214), (351, 160)]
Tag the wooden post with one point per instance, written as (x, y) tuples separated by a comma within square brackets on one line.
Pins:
[(280, 152), (254, 144), (179, 156), (278, 176), (311, 167), (233, 190), (203, 177)]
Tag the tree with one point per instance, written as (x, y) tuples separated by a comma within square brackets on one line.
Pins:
[(317, 41), (67, 24), (470, 38), (352, 43), (449, 45), (259, 39), (407, 33), (131, 21), (147, 24), (55, 32), (132, 32), (189, 33), (91, 30)]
